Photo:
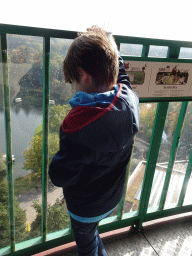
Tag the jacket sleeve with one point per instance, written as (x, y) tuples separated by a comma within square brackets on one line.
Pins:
[(123, 77), (68, 163)]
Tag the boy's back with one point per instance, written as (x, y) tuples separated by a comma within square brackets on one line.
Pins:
[(95, 146)]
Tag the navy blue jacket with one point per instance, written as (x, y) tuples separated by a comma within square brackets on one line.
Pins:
[(95, 146)]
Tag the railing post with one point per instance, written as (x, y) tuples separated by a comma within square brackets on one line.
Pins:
[(152, 159), (9, 160), (45, 156), (173, 52), (145, 51)]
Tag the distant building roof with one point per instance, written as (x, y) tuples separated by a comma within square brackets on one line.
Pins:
[(135, 183)]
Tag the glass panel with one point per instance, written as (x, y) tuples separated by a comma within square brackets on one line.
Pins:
[(183, 154), (131, 49), (60, 93), (164, 155), (139, 157), (26, 99), (158, 51), (4, 214), (188, 199), (185, 53)]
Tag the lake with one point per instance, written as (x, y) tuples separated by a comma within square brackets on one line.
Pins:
[(23, 126)]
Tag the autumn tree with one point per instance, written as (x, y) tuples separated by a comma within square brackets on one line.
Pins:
[(147, 116), (20, 215), (185, 143), (57, 218), (33, 154), (56, 117)]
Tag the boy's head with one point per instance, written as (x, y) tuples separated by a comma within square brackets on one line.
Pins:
[(92, 54)]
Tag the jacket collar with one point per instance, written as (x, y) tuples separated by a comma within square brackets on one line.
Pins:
[(92, 99)]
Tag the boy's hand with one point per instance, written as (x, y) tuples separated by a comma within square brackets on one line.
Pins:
[(96, 28)]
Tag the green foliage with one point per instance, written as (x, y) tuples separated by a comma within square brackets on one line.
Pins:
[(39, 129), (20, 226), (147, 115), (20, 215), (20, 222), (57, 218), (3, 191), (172, 118), (33, 154), (4, 225), (56, 117), (27, 49), (185, 144)]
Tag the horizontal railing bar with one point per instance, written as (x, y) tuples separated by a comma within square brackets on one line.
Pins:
[(43, 32), (164, 99), (125, 222), (155, 59), (151, 41), (168, 212), (33, 31), (63, 239)]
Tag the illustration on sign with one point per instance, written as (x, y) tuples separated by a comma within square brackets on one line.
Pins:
[(175, 76), (160, 79), (139, 75), (136, 74)]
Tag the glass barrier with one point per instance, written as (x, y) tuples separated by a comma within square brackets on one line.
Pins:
[(158, 51), (185, 53), (131, 49), (164, 155), (139, 157), (25, 57), (4, 213), (181, 162), (60, 93)]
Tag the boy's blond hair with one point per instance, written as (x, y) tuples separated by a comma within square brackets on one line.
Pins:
[(96, 53)]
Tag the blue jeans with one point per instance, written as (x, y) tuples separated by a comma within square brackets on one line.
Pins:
[(87, 239)]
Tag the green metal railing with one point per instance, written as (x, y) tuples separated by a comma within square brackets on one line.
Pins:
[(143, 214)]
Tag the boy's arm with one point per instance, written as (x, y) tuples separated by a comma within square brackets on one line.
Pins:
[(123, 78), (68, 162)]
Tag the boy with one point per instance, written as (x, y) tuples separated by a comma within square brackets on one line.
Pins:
[(96, 136)]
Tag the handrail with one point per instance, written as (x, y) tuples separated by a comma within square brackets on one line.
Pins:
[(47, 241), (45, 32)]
